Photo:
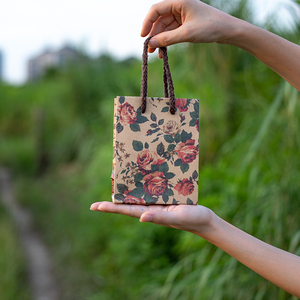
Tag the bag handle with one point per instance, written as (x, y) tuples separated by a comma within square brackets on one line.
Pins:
[(168, 82)]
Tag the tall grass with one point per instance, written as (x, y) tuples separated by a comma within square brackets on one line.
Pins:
[(257, 174), (13, 283), (249, 172)]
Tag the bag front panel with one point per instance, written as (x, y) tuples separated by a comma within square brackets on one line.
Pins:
[(156, 153)]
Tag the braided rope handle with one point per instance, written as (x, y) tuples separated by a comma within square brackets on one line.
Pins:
[(167, 78)]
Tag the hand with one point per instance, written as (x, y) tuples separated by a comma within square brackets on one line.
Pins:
[(196, 219), (177, 21)]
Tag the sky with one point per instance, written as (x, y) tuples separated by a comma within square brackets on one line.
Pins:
[(28, 27)]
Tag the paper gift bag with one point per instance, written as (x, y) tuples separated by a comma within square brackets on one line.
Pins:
[(155, 146)]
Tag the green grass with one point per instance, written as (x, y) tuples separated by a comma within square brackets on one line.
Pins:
[(249, 175), (13, 281)]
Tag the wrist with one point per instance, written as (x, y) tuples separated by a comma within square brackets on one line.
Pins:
[(210, 228), (236, 32)]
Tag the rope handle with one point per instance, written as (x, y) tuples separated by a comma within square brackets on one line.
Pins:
[(167, 78)]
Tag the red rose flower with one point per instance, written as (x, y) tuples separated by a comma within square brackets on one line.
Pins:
[(184, 187), (133, 200), (155, 184), (126, 113), (146, 158), (187, 151), (181, 104), (129, 199)]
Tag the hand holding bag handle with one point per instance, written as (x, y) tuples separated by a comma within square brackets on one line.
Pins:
[(168, 82)]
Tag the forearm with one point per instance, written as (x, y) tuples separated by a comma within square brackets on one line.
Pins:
[(279, 267), (277, 53)]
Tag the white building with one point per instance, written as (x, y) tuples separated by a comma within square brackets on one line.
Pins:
[(38, 65)]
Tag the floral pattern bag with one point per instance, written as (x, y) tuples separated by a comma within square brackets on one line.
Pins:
[(155, 158)]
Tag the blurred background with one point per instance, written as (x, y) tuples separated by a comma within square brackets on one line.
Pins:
[(61, 65)]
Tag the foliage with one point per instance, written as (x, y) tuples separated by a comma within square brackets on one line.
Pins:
[(12, 263), (56, 135)]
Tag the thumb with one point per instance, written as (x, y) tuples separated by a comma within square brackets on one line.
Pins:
[(158, 217), (166, 38)]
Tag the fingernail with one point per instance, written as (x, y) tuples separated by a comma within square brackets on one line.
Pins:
[(94, 206), (147, 218), (153, 43)]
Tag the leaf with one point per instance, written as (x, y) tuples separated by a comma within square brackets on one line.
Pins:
[(122, 99), (193, 122), (195, 175), (161, 121), (189, 201), (122, 188), (178, 162), (119, 127), (119, 197), (137, 145), (141, 119), (153, 125), (184, 167), (123, 171), (149, 199), (171, 147), (160, 149), (138, 177), (174, 201), (146, 145), (155, 140), (169, 192), (138, 184), (165, 198), (163, 168), (194, 115), (168, 138), (153, 117), (177, 138), (135, 127), (138, 192), (165, 109), (155, 130), (154, 168), (185, 136), (196, 106), (169, 175)]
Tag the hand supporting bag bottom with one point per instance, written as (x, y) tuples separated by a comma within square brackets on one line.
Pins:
[(156, 146)]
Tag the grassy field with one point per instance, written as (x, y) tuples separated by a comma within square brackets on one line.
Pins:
[(56, 136)]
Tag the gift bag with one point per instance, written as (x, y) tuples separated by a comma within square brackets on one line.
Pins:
[(155, 145)]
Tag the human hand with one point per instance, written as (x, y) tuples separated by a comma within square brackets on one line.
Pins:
[(197, 219), (177, 21)]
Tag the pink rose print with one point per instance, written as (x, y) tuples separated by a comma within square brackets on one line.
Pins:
[(155, 184), (187, 152), (129, 199), (181, 104), (184, 187), (146, 158), (171, 127), (127, 114)]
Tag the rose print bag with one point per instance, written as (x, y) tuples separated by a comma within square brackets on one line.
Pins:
[(155, 146)]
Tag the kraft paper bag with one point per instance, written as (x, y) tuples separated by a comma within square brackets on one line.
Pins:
[(155, 152)]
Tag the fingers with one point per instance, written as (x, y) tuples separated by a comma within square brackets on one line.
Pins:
[(160, 9), (161, 217), (124, 209), (164, 24)]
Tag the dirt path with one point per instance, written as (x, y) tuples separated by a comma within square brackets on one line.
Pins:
[(41, 279)]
